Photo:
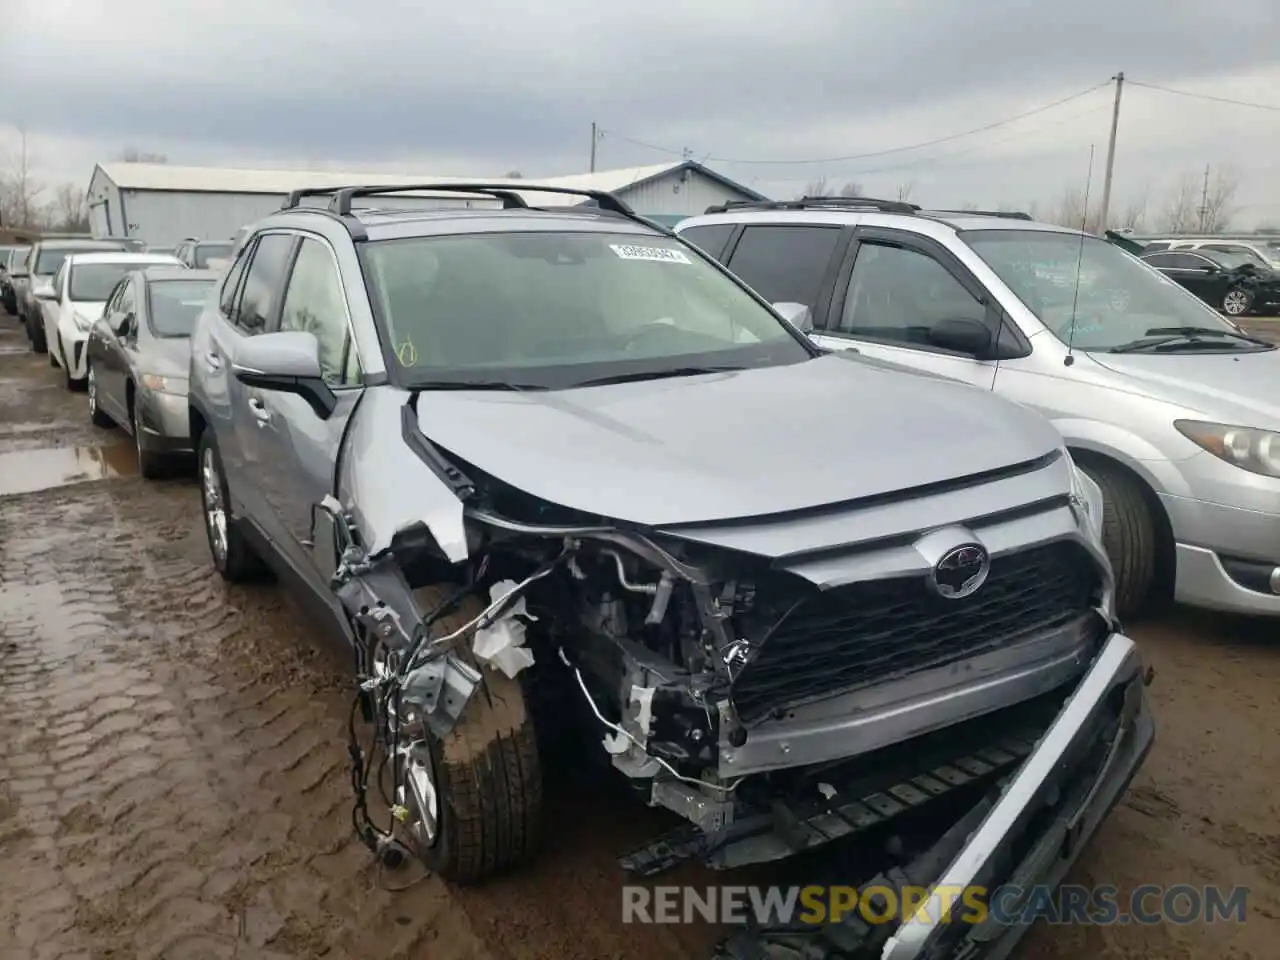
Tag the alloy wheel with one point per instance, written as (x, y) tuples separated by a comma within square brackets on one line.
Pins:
[(92, 390), (215, 514), (1235, 303)]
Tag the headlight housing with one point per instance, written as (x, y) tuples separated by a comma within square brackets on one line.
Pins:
[(171, 385), (1257, 451)]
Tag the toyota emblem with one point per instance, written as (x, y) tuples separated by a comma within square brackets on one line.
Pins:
[(961, 571)]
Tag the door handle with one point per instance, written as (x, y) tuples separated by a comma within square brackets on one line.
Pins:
[(213, 360), (259, 411)]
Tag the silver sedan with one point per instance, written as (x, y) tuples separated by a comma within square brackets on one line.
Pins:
[(137, 360)]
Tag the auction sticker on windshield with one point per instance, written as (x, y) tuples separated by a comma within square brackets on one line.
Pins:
[(664, 254)]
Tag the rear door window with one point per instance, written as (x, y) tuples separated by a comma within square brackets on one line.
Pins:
[(786, 264), (710, 239)]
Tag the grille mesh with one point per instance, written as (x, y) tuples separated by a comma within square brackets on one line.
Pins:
[(850, 636)]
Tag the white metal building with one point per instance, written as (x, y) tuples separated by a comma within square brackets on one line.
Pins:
[(164, 204)]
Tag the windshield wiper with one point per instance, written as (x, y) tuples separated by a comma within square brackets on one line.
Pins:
[(1171, 338), (655, 375), (473, 385)]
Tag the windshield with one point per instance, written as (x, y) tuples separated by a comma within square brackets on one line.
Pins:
[(173, 305), (559, 309), (211, 251), (94, 281), (1119, 298), (50, 258)]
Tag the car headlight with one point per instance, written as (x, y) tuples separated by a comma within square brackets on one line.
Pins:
[(171, 385), (1257, 451), (1086, 498)]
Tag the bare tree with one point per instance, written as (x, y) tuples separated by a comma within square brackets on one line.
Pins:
[(815, 188), (68, 211), (1072, 211), (514, 175), (134, 155), (905, 189), (852, 188), (1181, 211), (1134, 214), (19, 189), (1217, 199)]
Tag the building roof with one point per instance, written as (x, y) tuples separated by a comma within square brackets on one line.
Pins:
[(164, 176)]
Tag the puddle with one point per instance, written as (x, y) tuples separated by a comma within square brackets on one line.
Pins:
[(27, 471)]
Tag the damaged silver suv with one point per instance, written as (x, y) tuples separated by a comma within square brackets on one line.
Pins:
[(531, 461)]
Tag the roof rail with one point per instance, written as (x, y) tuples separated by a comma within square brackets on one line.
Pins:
[(1004, 214), (817, 203), (506, 192)]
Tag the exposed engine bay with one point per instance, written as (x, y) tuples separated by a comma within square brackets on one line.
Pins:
[(686, 658)]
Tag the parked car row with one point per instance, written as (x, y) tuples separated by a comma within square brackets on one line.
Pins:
[(1235, 283), (1170, 408), (557, 471), (1263, 253)]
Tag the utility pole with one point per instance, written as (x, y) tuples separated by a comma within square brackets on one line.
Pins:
[(594, 137), (1204, 202), (1111, 153)]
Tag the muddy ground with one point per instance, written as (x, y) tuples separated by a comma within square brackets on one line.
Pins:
[(173, 767)]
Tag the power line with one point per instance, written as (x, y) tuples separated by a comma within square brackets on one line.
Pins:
[(875, 153), (1206, 96), (947, 155)]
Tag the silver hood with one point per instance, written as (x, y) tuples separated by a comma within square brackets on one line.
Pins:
[(742, 444), (1242, 389)]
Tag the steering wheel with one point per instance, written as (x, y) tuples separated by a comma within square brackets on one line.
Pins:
[(647, 330)]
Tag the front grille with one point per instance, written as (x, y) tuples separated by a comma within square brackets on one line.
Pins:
[(851, 636)]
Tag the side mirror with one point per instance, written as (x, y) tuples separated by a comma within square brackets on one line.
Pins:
[(125, 327), (43, 290), (963, 335), (797, 314), (286, 362)]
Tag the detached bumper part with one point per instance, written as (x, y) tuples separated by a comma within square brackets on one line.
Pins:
[(1029, 835)]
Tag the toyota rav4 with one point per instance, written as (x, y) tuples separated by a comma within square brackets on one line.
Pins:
[(529, 458)]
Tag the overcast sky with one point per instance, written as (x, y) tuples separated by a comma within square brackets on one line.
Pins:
[(486, 86)]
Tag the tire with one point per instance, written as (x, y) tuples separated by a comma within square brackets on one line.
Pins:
[(487, 772), (1237, 302), (72, 383), (36, 331), (96, 415), (1128, 533), (236, 562), (150, 465)]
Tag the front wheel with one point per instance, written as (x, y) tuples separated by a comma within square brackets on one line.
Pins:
[(1128, 534), (35, 329), (96, 415), (474, 797), (1236, 302), (232, 554)]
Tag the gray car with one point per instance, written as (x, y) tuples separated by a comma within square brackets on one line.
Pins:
[(10, 259), (1173, 410), (137, 358), (554, 471)]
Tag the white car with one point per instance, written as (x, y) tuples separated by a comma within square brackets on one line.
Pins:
[(79, 291)]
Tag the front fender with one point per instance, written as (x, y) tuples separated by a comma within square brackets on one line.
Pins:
[(1124, 446), (386, 487)]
